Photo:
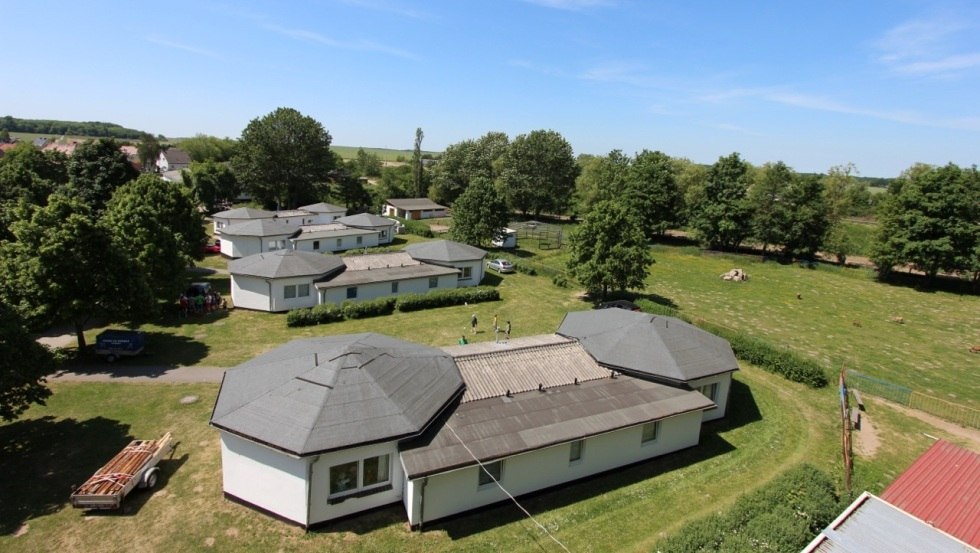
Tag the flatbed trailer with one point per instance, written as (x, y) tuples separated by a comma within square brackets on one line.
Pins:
[(134, 466)]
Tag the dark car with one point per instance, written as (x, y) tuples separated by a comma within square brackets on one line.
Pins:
[(619, 304), (198, 289)]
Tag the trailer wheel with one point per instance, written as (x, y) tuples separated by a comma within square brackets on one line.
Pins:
[(150, 478), (111, 358)]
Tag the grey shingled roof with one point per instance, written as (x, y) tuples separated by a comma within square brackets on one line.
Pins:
[(414, 203), (501, 427), (444, 251), (333, 230), (320, 394), (661, 347), (368, 220), (260, 227), (323, 207), (352, 277), (285, 264), (244, 213)]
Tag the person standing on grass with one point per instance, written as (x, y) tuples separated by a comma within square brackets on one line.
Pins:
[(507, 332), (495, 322), (473, 323), (462, 340)]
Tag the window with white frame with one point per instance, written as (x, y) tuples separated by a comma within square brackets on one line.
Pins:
[(710, 391), (495, 470), (650, 432), (302, 290), (384, 234), (276, 245), (289, 291), (433, 282), (394, 287), (466, 273), (575, 451), (364, 476)]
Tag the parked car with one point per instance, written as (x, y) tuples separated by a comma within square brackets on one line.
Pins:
[(198, 289), (213, 248), (500, 265), (619, 304)]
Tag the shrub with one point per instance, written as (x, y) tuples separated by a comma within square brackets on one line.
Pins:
[(559, 281), (370, 308), (300, 317), (443, 298), (418, 228), (327, 313), (526, 269)]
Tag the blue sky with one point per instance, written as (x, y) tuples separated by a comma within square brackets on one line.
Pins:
[(814, 84)]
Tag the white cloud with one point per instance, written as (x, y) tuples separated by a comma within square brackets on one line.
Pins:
[(572, 5), (388, 7), (178, 46), (941, 46), (360, 45)]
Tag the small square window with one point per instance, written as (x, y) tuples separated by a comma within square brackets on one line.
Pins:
[(352, 292), (394, 287), (495, 470), (433, 282), (343, 477), (360, 240), (289, 291), (710, 391), (384, 234), (376, 470), (340, 242), (316, 245), (575, 451), (650, 432), (466, 273), (302, 290)]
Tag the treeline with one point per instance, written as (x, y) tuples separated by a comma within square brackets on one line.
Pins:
[(72, 128)]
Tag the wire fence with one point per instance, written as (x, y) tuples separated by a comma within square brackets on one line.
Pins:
[(954, 412)]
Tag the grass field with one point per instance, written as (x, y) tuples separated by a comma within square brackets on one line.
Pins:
[(350, 152), (773, 424)]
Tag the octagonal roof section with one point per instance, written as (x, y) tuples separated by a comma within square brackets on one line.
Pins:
[(286, 264)]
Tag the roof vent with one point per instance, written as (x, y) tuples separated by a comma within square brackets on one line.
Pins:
[(540, 387), (612, 374), (576, 381), (508, 393)]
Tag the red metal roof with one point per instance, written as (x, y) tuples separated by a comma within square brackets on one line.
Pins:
[(942, 488)]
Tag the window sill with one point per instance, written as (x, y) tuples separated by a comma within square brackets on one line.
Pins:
[(335, 499)]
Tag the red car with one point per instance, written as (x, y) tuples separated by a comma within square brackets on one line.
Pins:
[(213, 248)]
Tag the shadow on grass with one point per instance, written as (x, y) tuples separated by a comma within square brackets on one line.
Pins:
[(938, 283), (163, 351), (43, 458)]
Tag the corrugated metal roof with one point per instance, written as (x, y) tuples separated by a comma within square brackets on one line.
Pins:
[(519, 367), (942, 487), (503, 426), (319, 394), (647, 344), (379, 261), (446, 251), (871, 525), (285, 264)]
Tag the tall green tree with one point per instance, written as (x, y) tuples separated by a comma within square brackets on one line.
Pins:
[(609, 249), (350, 190), (769, 204), (281, 157), (464, 161), (837, 183), (365, 164), (721, 218), (157, 224), (807, 220), (656, 193), (31, 174), (538, 173), (479, 214), (211, 183), (203, 147), (62, 267), (600, 178), (23, 365), (149, 150), (929, 219), (420, 188), (96, 170)]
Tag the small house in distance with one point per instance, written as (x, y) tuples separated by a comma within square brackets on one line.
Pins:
[(414, 208)]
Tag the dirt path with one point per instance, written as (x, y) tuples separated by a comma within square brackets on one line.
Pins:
[(127, 374), (971, 435)]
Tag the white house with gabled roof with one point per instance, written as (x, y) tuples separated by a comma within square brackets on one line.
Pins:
[(467, 259), (329, 427)]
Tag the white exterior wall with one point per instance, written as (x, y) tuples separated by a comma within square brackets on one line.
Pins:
[(476, 267), (280, 303), (457, 491), (374, 290), (244, 246), (321, 509), (721, 399), (300, 220), (330, 244), (250, 292), (264, 477)]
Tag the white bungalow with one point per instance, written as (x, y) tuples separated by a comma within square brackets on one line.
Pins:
[(385, 274), (468, 259), (280, 280), (414, 208), (367, 221), (238, 215), (662, 349), (256, 236), (335, 237), (324, 213), (328, 427)]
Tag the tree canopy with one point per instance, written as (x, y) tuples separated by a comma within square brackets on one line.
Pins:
[(479, 214), (211, 182), (23, 365), (62, 266), (148, 151), (202, 147), (282, 156), (157, 223), (96, 170), (609, 250), (654, 190), (464, 161), (538, 173), (600, 178), (721, 215), (930, 219)]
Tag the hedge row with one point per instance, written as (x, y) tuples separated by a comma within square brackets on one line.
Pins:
[(781, 361), (784, 515), (325, 313), (418, 228)]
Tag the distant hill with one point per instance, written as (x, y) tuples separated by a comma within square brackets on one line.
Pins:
[(72, 128)]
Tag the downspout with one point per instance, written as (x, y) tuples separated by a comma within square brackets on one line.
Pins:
[(269, 283), (425, 482), (309, 490)]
